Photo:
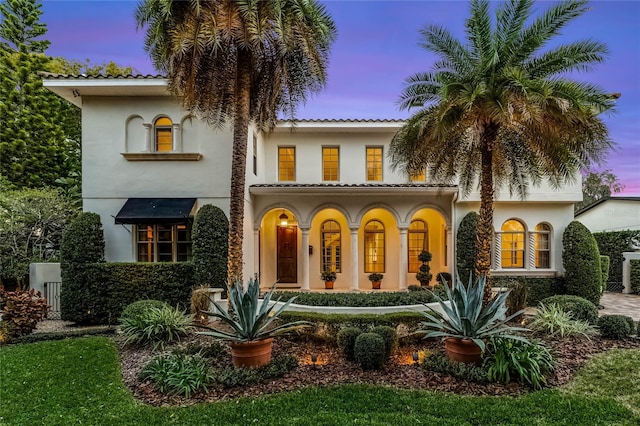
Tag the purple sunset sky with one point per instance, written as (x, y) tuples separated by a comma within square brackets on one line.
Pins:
[(376, 50)]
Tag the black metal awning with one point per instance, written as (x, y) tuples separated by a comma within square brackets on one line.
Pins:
[(155, 210)]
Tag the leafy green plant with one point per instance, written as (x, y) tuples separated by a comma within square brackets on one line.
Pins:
[(387, 298), (178, 374), (21, 312), (414, 287), (553, 320), (634, 275), (156, 326), (466, 250), (328, 275), (507, 360), (517, 299), (615, 326), (249, 318), (369, 351), (580, 308), (581, 261), (375, 277), (423, 275), (439, 363), (613, 244), (140, 307), (210, 242), (466, 318), (444, 278), (346, 341), (279, 366), (390, 338)]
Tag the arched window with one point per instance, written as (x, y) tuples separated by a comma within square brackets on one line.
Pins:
[(418, 241), (163, 128), (543, 246), (374, 247), (331, 247), (513, 244)]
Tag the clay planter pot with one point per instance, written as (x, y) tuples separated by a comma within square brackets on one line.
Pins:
[(463, 350), (376, 285), (328, 285), (251, 354)]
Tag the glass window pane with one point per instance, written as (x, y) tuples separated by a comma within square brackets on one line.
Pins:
[(512, 255), (331, 246), (286, 163), (374, 163), (374, 249), (330, 163)]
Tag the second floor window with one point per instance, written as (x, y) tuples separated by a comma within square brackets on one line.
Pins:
[(330, 163), (164, 134), (286, 163), (374, 163), (331, 250)]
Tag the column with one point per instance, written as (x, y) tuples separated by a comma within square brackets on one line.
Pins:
[(403, 260), (530, 251), (355, 268), (148, 136), (256, 253), (176, 137), (497, 251), (449, 261), (305, 259)]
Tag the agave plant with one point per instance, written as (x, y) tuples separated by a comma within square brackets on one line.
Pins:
[(466, 318), (248, 319)]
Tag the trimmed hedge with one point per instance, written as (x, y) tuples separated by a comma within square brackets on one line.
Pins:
[(210, 237), (613, 244), (537, 288), (103, 290), (369, 351), (346, 339), (466, 250), (61, 335), (581, 261), (580, 308), (635, 275), (397, 298), (615, 326)]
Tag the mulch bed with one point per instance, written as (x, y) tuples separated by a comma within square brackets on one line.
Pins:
[(331, 369)]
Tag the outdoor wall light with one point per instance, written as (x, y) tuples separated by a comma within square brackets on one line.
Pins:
[(314, 359), (284, 219), (415, 357)]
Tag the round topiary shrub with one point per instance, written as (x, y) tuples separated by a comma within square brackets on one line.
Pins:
[(390, 338), (140, 307), (210, 245), (614, 326), (581, 260), (369, 351), (347, 340), (580, 309)]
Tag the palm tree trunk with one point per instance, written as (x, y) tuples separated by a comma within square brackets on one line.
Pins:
[(485, 223), (239, 167)]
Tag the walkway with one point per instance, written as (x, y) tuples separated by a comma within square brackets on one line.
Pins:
[(621, 304)]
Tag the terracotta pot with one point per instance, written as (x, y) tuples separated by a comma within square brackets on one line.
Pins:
[(376, 284), (463, 350), (251, 354), (328, 285)]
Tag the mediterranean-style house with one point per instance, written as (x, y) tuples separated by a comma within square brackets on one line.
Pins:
[(320, 193), (610, 214)]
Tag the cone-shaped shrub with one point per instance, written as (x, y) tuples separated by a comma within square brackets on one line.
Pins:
[(581, 261)]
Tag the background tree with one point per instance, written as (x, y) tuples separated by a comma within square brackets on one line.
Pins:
[(21, 26), (501, 110), (598, 185), (239, 62)]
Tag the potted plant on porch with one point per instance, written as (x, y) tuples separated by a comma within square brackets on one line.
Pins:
[(466, 324), (376, 280), (250, 324), (329, 277)]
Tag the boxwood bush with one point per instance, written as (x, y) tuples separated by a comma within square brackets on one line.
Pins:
[(615, 326), (581, 261), (347, 340), (210, 237), (396, 298), (369, 351), (139, 308), (466, 250), (580, 309), (635, 275), (390, 338)]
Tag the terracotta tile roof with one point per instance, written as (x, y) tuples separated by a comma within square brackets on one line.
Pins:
[(51, 75), (351, 185), (347, 120)]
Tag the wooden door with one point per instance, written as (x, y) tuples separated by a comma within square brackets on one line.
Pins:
[(287, 254)]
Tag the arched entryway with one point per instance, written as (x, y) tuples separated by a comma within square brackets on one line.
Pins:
[(427, 231)]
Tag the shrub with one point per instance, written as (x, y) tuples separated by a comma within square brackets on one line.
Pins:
[(391, 298), (510, 359), (441, 364), (424, 276), (140, 307), (638, 328), (279, 366), (178, 374), (200, 304), (614, 326), (581, 260), (552, 320), (42, 337), (390, 338), (444, 278), (613, 244), (156, 326), (210, 242), (466, 251), (579, 308), (369, 351), (414, 287), (635, 275), (605, 264), (347, 340), (21, 311), (517, 299), (107, 288)]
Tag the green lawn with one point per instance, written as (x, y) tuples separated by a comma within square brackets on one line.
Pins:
[(78, 382)]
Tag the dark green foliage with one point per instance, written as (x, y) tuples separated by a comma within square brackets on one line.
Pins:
[(390, 338), (424, 276), (140, 307), (605, 265), (444, 278), (509, 360), (596, 186), (278, 367), (638, 328), (21, 26), (156, 326), (42, 337), (517, 299), (214, 350), (581, 261), (579, 308), (210, 236), (82, 242), (613, 244), (414, 287), (391, 298), (439, 363), (346, 341), (634, 275), (537, 288), (369, 351), (178, 374), (614, 326), (103, 290), (466, 250)]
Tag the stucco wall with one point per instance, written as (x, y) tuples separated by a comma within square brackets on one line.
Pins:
[(612, 215)]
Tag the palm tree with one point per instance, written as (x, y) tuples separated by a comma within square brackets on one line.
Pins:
[(239, 62), (502, 109)]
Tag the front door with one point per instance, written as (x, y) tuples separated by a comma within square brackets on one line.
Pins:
[(287, 254)]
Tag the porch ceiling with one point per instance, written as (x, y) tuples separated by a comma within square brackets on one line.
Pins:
[(351, 189)]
